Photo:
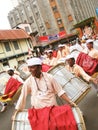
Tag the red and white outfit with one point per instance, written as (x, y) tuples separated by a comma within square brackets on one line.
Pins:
[(42, 91)]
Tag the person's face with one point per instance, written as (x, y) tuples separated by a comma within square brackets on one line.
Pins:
[(60, 48), (89, 45), (49, 54), (35, 70), (70, 62)]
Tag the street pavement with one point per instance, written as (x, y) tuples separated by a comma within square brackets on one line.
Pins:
[(88, 105)]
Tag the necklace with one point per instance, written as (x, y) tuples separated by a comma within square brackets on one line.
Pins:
[(38, 85)]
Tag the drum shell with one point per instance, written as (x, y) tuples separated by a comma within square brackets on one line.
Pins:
[(21, 121), (74, 87), (4, 77), (23, 70)]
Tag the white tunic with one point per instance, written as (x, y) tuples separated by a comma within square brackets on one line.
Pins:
[(42, 90)]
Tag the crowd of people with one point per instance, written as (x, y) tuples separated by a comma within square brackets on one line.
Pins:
[(80, 58), (77, 48)]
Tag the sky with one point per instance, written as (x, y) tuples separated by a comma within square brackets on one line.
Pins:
[(5, 7)]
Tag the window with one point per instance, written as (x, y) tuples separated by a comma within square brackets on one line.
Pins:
[(12, 19), (7, 46), (27, 29), (61, 28), (59, 21), (5, 64), (31, 18), (28, 8), (30, 45), (22, 12), (17, 17), (44, 33), (55, 9), (15, 45), (47, 25), (42, 27), (34, 6), (37, 15), (70, 18), (25, 21)]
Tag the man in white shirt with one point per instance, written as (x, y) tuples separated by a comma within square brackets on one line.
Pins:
[(78, 70), (16, 76), (42, 87), (90, 50), (50, 60)]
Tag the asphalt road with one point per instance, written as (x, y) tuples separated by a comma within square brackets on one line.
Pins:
[(89, 107)]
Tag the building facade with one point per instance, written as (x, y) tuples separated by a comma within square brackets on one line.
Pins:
[(45, 16), (84, 9), (14, 45), (52, 16)]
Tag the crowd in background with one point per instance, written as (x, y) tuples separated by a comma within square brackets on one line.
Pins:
[(51, 56), (80, 56)]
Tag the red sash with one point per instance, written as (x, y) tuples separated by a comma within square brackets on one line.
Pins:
[(45, 67), (52, 118), (11, 88), (89, 64)]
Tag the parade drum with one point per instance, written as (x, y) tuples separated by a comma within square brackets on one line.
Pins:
[(24, 72), (21, 122), (4, 77), (74, 87)]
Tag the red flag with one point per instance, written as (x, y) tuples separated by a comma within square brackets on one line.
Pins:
[(43, 38), (62, 34)]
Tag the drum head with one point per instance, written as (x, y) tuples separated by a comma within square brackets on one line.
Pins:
[(74, 87), (24, 72)]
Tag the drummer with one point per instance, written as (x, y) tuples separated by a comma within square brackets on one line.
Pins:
[(77, 70), (90, 50), (61, 53), (13, 73), (50, 59), (15, 76), (42, 87)]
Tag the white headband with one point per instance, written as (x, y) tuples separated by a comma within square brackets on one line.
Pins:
[(34, 61), (89, 41), (69, 57)]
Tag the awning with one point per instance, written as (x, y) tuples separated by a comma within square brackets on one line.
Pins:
[(84, 22), (66, 38)]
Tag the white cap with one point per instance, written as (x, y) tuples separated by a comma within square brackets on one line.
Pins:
[(89, 41), (61, 45), (48, 51), (69, 56), (34, 61), (72, 48)]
